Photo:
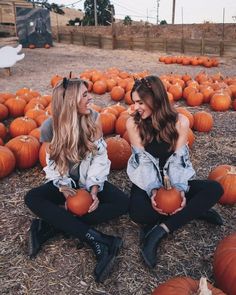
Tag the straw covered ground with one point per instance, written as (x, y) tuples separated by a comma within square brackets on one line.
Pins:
[(62, 268)]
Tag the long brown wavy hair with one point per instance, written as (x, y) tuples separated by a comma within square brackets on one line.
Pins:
[(73, 133), (162, 122)]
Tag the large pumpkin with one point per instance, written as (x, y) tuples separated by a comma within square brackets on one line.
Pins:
[(184, 286), (3, 112), (79, 204), (26, 150), (168, 199), (108, 121), (226, 176), (118, 151), (7, 161), (224, 264)]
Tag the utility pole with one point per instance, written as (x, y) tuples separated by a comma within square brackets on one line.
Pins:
[(158, 4), (95, 13), (173, 13)]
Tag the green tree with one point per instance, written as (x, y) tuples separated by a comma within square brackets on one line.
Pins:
[(44, 3), (163, 22), (127, 21), (105, 12)]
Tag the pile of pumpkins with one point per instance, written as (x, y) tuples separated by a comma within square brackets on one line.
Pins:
[(216, 90), (190, 60)]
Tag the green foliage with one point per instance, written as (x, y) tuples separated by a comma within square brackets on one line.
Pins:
[(44, 3), (127, 21), (163, 22), (105, 12)]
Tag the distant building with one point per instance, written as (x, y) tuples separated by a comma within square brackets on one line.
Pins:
[(7, 9)]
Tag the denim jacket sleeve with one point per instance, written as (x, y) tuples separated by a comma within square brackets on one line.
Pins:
[(53, 175), (99, 167), (179, 168), (143, 170)]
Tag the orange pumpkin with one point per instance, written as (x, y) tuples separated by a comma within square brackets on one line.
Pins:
[(118, 151), (186, 113), (25, 149), (183, 286), (3, 112), (55, 80), (167, 198), (7, 161), (3, 131), (224, 264), (16, 106), (100, 87), (120, 125), (117, 93), (35, 133), (22, 126), (108, 122), (79, 204), (194, 99), (226, 176), (220, 102), (42, 154), (203, 121), (191, 138)]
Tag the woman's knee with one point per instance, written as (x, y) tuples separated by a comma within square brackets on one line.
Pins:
[(216, 188), (31, 197)]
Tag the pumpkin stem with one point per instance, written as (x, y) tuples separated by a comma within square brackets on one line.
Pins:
[(167, 184), (203, 288), (232, 170)]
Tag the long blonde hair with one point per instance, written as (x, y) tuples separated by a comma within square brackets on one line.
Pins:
[(73, 133)]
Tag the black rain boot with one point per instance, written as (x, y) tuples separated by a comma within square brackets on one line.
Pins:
[(144, 229), (106, 249), (212, 216), (151, 241), (40, 231)]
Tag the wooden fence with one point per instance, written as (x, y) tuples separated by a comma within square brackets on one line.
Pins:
[(178, 45)]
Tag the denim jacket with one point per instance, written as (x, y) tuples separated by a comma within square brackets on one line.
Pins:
[(144, 171), (93, 170)]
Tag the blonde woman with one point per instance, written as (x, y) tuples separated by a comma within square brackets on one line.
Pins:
[(77, 158)]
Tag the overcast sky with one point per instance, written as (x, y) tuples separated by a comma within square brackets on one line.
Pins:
[(192, 11)]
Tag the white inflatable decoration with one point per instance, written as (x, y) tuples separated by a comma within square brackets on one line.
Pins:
[(9, 56)]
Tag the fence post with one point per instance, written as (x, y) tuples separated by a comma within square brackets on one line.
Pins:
[(182, 45), (131, 43), (99, 41), (165, 45), (71, 38), (114, 41), (222, 48), (202, 46)]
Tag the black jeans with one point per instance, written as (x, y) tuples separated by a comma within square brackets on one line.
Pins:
[(202, 195), (46, 202)]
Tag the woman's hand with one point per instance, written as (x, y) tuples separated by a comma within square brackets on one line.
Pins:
[(67, 191), (183, 204), (154, 205), (95, 202)]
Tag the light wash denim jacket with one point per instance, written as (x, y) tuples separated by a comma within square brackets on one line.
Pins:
[(144, 171), (93, 170)]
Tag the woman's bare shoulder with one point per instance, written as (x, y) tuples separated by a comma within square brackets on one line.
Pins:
[(182, 123)]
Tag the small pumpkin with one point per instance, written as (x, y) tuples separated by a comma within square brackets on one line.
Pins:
[(108, 122), (42, 154), (3, 112), (3, 131), (203, 121), (224, 264), (79, 204), (16, 106), (22, 126), (117, 93), (220, 101), (167, 198)]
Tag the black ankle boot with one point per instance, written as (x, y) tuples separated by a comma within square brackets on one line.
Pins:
[(151, 241), (40, 231), (212, 216), (106, 249)]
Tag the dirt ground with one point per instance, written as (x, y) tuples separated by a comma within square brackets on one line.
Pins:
[(62, 268)]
